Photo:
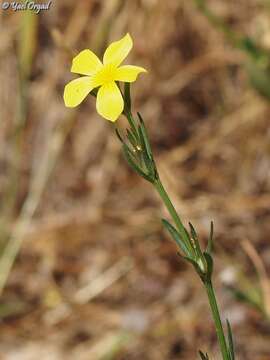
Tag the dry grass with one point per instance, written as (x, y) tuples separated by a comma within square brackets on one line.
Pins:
[(96, 276)]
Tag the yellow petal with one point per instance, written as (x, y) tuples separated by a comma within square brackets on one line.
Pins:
[(118, 51), (85, 63), (77, 90), (128, 73), (110, 103)]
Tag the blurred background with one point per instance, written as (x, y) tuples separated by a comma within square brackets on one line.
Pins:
[(86, 269)]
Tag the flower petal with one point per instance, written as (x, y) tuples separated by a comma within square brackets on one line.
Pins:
[(118, 50), (128, 73), (77, 90), (110, 103), (85, 63)]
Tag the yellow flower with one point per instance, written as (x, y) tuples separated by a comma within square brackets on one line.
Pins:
[(110, 103)]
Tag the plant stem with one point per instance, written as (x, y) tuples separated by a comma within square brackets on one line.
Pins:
[(195, 254), (208, 285), (165, 197), (216, 317)]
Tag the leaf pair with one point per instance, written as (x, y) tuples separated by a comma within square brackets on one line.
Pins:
[(190, 247)]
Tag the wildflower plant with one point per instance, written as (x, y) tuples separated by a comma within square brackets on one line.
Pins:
[(112, 101)]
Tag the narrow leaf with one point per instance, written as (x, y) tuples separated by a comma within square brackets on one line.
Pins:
[(146, 157), (210, 264), (230, 340), (132, 123), (177, 237), (132, 139), (130, 151), (133, 165), (193, 231), (184, 233), (195, 238), (210, 243), (196, 266), (145, 136)]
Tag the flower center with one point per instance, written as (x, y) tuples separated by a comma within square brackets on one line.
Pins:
[(106, 74)]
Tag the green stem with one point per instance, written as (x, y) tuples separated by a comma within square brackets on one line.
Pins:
[(165, 197), (185, 236), (216, 317), (208, 285)]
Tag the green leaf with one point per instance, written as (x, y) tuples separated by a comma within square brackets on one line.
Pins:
[(146, 157), (129, 157), (145, 136), (130, 151), (196, 266), (210, 243), (230, 340), (193, 231), (210, 264), (132, 123), (177, 237), (196, 241), (132, 139)]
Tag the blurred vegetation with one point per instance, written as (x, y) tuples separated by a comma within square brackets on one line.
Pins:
[(258, 57)]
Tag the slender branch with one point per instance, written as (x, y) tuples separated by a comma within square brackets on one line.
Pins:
[(216, 317), (170, 207), (207, 284), (202, 261)]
